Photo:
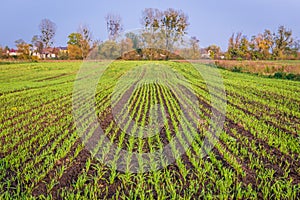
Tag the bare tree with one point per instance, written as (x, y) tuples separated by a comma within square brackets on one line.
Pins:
[(151, 18), (1, 52), (114, 25), (86, 33), (164, 28), (174, 25), (37, 44), (149, 39), (48, 30), (86, 39), (195, 47)]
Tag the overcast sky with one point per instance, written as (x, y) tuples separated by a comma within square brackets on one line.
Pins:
[(212, 21)]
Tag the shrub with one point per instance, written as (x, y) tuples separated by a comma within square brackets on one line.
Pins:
[(267, 69), (236, 69), (279, 75), (290, 76)]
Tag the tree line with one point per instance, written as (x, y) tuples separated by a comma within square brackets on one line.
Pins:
[(264, 46), (163, 29)]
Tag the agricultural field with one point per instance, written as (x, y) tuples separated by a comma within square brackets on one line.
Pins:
[(286, 69), (43, 153)]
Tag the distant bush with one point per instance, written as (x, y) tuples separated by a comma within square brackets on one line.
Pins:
[(236, 69), (291, 76), (278, 75), (34, 58), (267, 69), (5, 63), (282, 75)]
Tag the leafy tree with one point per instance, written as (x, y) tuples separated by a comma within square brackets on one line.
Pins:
[(23, 48), (284, 43), (266, 45), (75, 38), (63, 55), (74, 52), (278, 45), (80, 43), (109, 50), (261, 45), (74, 49), (126, 45), (244, 51), (214, 51), (114, 25), (134, 38), (238, 47), (48, 31), (233, 45), (4, 52)]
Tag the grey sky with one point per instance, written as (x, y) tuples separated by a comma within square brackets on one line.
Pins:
[(212, 21)]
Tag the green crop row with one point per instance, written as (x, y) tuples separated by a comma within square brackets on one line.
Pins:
[(49, 152)]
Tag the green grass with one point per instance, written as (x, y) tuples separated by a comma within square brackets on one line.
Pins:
[(43, 156)]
